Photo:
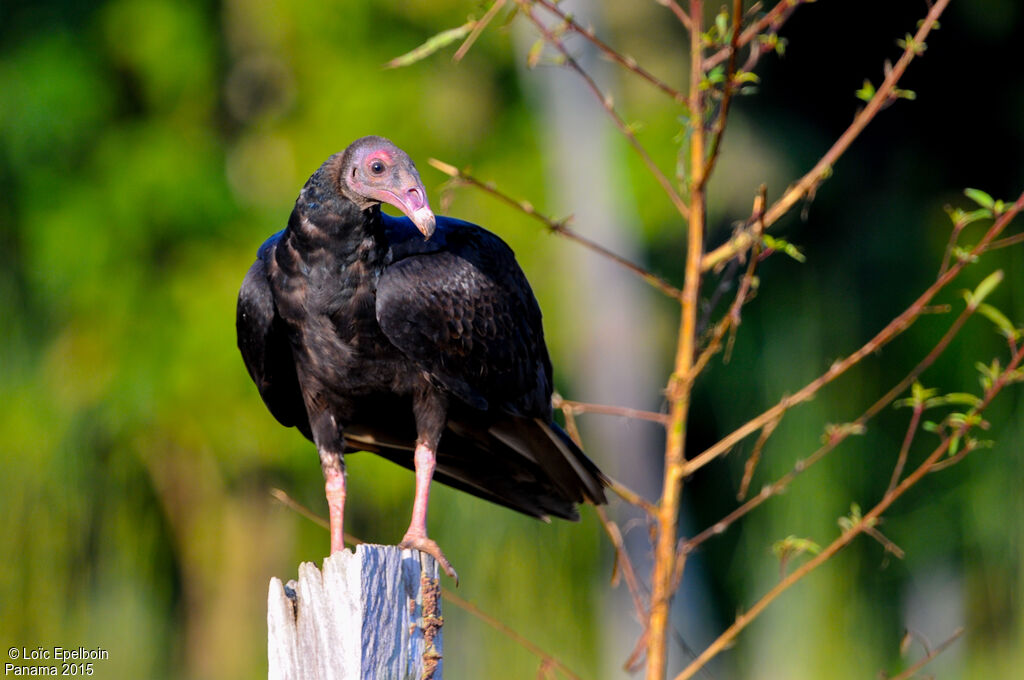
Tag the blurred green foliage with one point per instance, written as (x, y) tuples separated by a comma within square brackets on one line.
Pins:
[(147, 147)]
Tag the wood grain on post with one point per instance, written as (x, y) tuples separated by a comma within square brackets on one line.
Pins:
[(371, 615)]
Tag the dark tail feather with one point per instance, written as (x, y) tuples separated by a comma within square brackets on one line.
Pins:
[(525, 464), (550, 448)]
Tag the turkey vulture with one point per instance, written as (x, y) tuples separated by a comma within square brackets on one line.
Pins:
[(417, 338)]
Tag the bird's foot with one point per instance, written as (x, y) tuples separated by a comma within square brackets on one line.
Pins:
[(430, 547)]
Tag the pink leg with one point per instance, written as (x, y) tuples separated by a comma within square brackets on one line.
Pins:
[(334, 487), (416, 536)]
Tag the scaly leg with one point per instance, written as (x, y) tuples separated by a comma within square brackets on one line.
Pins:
[(416, 536), (334, 488), (330, 444)]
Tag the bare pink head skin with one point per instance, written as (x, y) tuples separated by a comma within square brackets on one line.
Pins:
[(376, 171)]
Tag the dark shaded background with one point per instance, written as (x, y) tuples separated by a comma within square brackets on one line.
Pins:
[(147, 147)]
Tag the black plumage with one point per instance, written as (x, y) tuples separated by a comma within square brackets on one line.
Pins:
[(416, 338)]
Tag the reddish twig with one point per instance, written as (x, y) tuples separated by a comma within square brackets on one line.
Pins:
[(680, 13), (894, 328), (478, 28), (870, 519), (1004, 242), (773, 19), (510, 633), (578, 407), (731, 320), (913, 669), (755, 457), (809, 182), (901, 460), (607, 105), (625, 61), (623, 565), (557, 226), (718, 130), (837, 438), (569, 410)]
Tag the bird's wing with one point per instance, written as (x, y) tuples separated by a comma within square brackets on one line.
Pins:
[(263, 341), (460, 307)]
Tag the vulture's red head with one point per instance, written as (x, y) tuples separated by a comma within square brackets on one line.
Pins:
[(376, 171)]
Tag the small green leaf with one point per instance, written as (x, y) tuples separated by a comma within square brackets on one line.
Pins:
[(533, 56), (976, 215), (722, 25), (983, 289), (909, 43), (980, 197), (784, 247), (918, 396), (433, 44), (866, 92), (1000, 320), (959, 398), (964, 254), (834, 431), (793, 545), (989, 373), (847, 523)]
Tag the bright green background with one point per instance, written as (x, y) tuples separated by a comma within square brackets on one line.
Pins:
[(147, 147)]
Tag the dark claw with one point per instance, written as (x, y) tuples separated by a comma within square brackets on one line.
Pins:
[(430, 547)]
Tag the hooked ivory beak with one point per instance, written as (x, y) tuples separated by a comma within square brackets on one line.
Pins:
[(413, 202)]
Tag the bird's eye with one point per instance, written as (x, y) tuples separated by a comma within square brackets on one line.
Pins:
[(376, 167)]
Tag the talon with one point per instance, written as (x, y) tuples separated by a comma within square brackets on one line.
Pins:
[(430, 547)]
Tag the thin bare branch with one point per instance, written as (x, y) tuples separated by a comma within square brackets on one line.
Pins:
[(772, 20), (282, 497), (809, 182), (625, 61), (569, 410), (954, 234), (666, 560), (624, 565), (559, 227), (680, 13), (889, 546), (908, 438), (578, 407), (510, 633), (731, 320), (840, 435), (632, 497), (913, 669), (754, 459), (729, 88), (894, 328), (870, 519), (607, 105), (478, 28), (1005, 242)]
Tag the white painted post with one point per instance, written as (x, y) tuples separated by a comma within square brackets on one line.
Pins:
[(372, 615)]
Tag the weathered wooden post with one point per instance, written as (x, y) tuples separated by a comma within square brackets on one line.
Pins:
[(371, 615)]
